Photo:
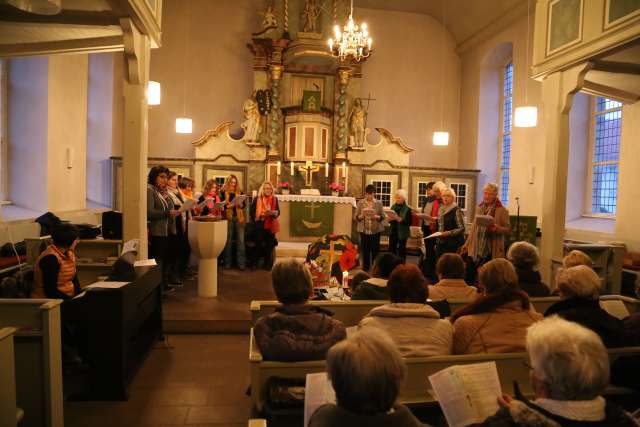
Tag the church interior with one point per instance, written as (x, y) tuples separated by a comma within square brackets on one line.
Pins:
[(293, 128)]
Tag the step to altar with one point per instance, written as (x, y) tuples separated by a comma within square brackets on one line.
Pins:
[(292, 250)]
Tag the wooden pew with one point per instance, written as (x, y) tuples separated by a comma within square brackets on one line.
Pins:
[(351, 312), (10, 414), (38, 356), (415, 389)]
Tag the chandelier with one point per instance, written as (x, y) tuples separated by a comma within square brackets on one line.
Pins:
[(353, 41)]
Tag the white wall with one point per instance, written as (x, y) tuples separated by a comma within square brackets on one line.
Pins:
[(27, 126), (100, 130), (579, 120)]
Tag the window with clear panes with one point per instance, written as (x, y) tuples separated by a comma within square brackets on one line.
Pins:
[(505, 131), (383, 192), (422, 193), (461, 194)]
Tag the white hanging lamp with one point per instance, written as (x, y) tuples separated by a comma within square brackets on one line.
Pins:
[(441, 136), (526, 116), (153, 93), (184, 124)]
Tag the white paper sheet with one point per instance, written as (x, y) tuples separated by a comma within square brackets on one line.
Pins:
[(238, 200), (392, 216), (187, 205), (145, 263), (107, 285), (434, 235), (616, 308), (130, 246), (486, 220), (317, 392)]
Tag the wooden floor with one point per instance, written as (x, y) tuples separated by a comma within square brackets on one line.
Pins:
[(185, 312)]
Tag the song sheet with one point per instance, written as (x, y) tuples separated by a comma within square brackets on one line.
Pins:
[(317, 392)]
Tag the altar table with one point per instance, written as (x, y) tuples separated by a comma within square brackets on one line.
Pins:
[(313, 216)]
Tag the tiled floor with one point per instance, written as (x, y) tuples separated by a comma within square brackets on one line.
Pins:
[(201, 381)]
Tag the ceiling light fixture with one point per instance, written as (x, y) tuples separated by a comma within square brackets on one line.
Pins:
[(353, 42)]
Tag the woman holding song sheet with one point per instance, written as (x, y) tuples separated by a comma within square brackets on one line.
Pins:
[(369, 214), (207, 202), (234, 212), (400, 220), (264, 213), (450, 224)]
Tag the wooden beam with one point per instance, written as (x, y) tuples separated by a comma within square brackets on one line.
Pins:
[(610, 92), (72, 17), (617, 67), (91, 45)]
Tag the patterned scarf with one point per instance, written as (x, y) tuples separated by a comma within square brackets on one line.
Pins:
[(482, 246), (264, 204)]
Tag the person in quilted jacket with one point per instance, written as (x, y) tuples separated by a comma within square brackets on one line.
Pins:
[(296, 331)]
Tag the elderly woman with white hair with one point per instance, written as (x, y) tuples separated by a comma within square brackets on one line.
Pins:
[(400, 227), (366, 371), (569, 371), (450, 224), (430, 225), (579, 288), (491, 225), (525, 258)]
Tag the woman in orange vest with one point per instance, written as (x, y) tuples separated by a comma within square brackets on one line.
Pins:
[(55, 270)]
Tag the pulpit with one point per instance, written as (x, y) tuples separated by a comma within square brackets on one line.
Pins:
[(207, 240)]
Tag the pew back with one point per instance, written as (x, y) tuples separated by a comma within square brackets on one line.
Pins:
[(8, 409), (416, 387), (37, 349)]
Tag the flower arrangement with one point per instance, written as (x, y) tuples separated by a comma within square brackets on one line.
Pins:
[(334, 186), (285, 184)]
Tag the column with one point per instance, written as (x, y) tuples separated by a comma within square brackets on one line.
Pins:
[(558, 90), (135, 135), (342, 130)]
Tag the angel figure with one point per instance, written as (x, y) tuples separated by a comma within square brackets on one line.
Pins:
[(357, 119), (252, 125), (269, 19), (310, 16)]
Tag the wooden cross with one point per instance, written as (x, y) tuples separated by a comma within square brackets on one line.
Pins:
[(308, 169), (368, 99)]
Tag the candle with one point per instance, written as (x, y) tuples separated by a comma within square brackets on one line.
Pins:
[(291, 168), (326, 170), (345, 274), (278, 168), (254, 193), (346, 178)]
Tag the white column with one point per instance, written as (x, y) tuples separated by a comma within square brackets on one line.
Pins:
[(135, 136)]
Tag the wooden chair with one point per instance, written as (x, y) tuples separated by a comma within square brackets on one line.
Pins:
[(10, 414), (416, 388), (38, 357)]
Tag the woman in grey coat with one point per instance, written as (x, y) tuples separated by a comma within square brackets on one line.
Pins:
[(369, 214), (160, 215)]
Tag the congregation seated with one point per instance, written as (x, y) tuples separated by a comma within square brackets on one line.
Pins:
[(415, 327), (525, 258), (579, 288), (296, 331), (576, 257), (375, 288), (366, 371), (357, 280), (451, 285), (497, 321), (569, 372)]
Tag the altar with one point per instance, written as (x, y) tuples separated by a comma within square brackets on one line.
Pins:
[(303, 218)]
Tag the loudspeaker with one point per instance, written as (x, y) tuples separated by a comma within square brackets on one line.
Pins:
[(112, 225)]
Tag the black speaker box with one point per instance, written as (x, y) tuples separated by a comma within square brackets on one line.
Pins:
[(112, 225)]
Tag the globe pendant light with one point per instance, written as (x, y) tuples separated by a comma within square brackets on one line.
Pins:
[(153, 93), (526, 116)]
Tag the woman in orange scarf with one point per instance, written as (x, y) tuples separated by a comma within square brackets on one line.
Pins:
[(264, 213)]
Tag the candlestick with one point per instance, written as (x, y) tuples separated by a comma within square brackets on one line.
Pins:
[(345, 274), (346, 178), (278, 169), (291, 168), (326, 170)]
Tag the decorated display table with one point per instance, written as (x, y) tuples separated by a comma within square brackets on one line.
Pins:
[(304, 218)]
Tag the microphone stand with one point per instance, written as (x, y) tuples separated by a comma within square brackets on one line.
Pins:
[(517, 219)]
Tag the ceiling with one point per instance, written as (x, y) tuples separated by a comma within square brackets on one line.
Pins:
[(464, 18)]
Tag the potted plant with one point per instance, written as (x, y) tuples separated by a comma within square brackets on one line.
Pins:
[(285, 187), (336, 188)]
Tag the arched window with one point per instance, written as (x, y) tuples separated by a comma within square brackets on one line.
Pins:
[(605, 155), (505, 132)]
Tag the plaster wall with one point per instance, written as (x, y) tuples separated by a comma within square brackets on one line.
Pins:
[(480, 117), (27, 125), (67, 131)]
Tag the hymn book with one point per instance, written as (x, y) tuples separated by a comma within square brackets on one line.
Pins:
[(318, 391), (486, 220), (467, 394)]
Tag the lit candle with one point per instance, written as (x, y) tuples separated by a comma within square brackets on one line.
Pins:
[(291, 168), (278, 168), (326, 170), (345, 274), (344, 170), (346, 178)]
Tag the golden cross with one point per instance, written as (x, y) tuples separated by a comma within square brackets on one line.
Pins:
[(312, 207), (308, 169)]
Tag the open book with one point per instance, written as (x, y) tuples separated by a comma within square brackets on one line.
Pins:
[(486, 220), (318, 391), (238, 200), (392, 215), (467, 393)]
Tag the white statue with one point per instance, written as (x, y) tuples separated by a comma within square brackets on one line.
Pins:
[(357, 119), (310, 16), (252, 125), (269, 20)]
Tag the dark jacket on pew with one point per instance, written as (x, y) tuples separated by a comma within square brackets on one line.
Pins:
[(334, 416), (296, 333), (527, 414), (372, 289), (589, 314), (531, 282)]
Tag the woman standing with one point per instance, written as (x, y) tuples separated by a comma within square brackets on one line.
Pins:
[(429, 226), (450, 224), (264, 213), (235, 222), (486, 242), (209, 197), (178, 243), (369, 214), (160, 215), (400, 227)]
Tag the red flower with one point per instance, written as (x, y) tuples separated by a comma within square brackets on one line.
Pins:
[(348, 260)]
